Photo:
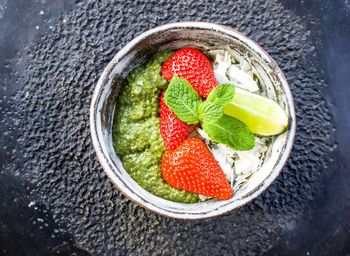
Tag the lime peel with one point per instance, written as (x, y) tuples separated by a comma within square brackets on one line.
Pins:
[(263, 116)]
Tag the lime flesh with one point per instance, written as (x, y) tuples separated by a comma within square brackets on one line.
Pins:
[(263, 116)]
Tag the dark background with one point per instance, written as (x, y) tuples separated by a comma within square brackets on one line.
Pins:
[(42, 215)]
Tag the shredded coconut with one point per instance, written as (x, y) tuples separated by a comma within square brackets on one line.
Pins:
[(231, 68)]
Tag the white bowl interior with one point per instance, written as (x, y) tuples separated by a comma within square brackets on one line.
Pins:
[(174, 36)]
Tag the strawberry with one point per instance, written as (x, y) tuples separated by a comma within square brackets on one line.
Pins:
[(193, 168), (173, 130), (194, 66)]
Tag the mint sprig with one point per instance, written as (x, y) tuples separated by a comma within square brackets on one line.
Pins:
[(189, 108)]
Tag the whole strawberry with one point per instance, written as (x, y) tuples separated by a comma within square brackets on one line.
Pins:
[(193, 168), (194, 66), (172, 129)]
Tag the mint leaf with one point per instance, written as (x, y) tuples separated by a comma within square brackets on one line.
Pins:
[(231, 132), (183, 100), (213, 108), (222, 94), (210, 112)]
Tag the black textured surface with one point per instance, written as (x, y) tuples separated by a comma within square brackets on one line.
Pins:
[(61, 173)]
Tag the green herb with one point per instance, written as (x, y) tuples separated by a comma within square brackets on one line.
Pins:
[(213, 108), (209, 111), (188, 107), (183, 100), (231, 132), (221, 94)]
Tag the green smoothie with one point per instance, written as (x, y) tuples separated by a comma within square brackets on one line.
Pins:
[(136, 134)]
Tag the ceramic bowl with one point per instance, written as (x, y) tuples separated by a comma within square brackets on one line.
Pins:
[(204, 36)]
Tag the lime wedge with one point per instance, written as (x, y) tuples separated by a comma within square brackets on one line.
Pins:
[(262, 115)]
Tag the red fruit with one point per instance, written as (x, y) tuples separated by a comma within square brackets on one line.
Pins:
[(173, 130), (193, 168), (194, 66)]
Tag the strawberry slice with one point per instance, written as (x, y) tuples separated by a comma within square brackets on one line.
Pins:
[(194, 66), (193, 168), (172, 129)]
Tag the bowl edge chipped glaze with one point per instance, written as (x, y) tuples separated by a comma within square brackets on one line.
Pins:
[(205, 36)]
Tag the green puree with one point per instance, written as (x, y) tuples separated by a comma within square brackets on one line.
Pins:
[(136, 134)]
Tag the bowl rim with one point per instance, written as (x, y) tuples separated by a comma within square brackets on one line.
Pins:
[(100, 146)]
